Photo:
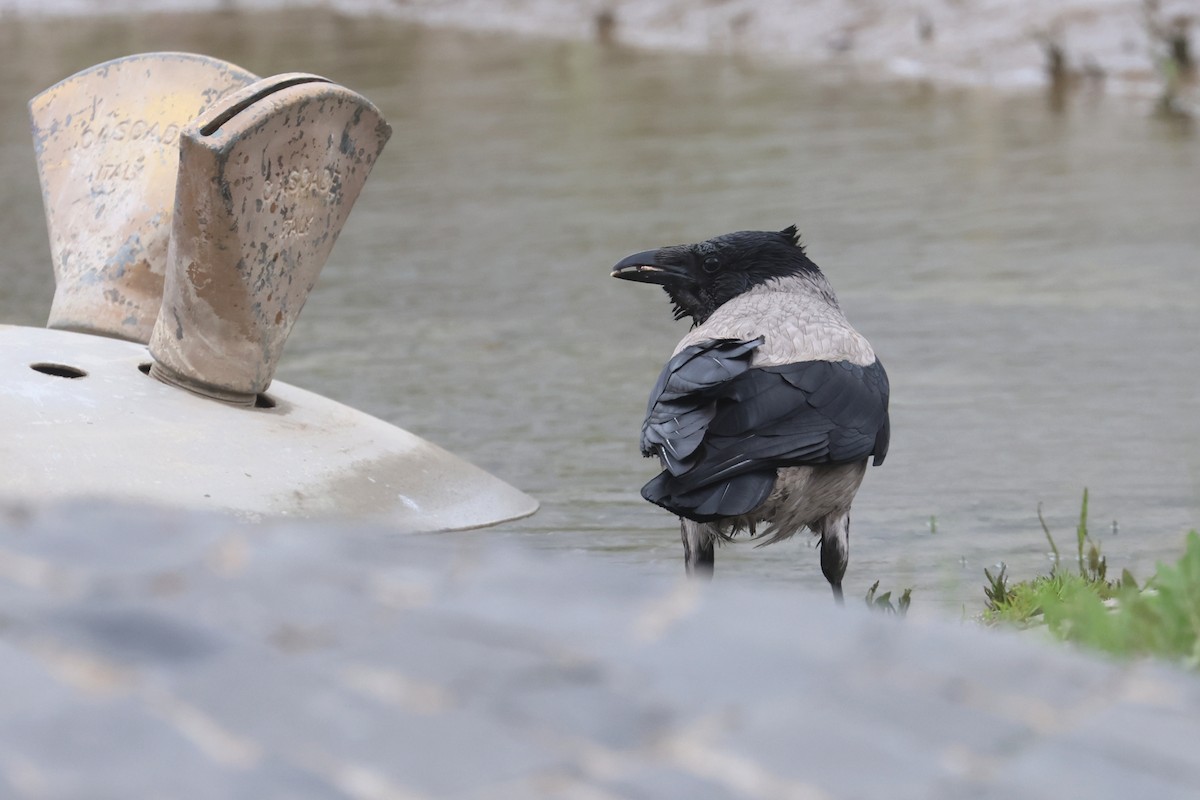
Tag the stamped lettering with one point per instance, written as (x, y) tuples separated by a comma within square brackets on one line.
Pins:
[(299, 184), (127, 130), (118, 171), (295, 226)]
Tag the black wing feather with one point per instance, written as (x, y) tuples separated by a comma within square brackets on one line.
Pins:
[(683, 402), (721, 428)]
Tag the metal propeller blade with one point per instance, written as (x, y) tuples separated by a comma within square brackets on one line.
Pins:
[(107, 143), (266, 181)]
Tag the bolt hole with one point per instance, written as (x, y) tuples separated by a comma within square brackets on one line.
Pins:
[(58, 370), (144, 368)]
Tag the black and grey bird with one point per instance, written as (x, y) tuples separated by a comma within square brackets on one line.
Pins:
[(770, 407)]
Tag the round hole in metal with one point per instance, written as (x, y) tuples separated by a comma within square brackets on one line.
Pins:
[(58, 370)]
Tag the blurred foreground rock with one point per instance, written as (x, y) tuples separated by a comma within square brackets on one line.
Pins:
[(151, 654)]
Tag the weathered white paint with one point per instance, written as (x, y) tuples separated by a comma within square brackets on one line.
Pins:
[(118, 434)]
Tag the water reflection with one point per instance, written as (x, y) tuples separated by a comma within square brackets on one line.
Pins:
[(1029, 278)]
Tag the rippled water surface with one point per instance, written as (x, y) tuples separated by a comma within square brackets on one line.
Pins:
[(1029, 277)]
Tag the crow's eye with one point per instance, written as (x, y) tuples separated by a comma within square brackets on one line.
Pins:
[(712, 264)]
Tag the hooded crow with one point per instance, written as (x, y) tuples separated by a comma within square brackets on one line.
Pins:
[(770, 407)]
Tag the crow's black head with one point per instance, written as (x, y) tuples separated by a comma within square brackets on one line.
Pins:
[(699, 278)]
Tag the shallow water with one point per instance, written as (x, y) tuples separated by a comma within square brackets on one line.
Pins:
[(1028, 276)]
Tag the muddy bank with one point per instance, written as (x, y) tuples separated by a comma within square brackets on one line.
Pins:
[(1129, 47)]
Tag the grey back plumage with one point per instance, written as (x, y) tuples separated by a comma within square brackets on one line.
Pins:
[(774, 377)]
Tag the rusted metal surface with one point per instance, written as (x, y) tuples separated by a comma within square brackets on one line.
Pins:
[(266, 181), (107, 142)]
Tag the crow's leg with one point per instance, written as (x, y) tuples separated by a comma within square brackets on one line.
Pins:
[(698, 540), (835, 549)]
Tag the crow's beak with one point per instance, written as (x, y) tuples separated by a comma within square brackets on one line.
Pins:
[(646, 267)]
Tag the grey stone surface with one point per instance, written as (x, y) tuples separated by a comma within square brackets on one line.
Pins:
[(153, 654)]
